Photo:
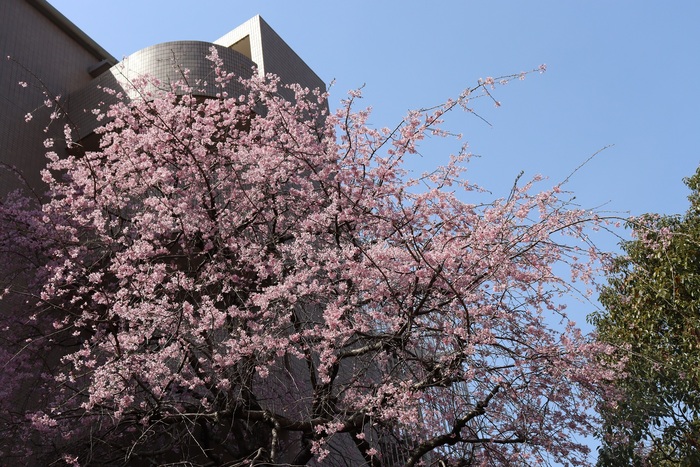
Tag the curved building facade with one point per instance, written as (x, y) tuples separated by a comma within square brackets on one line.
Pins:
[(253, 45), (169, 63)]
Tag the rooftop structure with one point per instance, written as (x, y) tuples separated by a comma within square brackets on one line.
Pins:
[(260, 43)]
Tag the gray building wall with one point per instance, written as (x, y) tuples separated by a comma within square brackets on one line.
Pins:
[(50, 54)]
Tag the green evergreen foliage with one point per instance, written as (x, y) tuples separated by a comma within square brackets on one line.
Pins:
[(652, 315)]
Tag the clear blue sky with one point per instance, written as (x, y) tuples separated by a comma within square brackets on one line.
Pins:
[(620, 72)]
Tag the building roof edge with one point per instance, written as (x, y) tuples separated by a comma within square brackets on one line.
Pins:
[(73, 31)]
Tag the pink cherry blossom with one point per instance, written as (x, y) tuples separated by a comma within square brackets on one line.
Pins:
[(252, 280)]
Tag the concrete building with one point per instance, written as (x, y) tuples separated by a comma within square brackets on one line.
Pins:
[(55, 58)]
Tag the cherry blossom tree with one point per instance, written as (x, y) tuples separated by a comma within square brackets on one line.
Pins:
[(249, 280)]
